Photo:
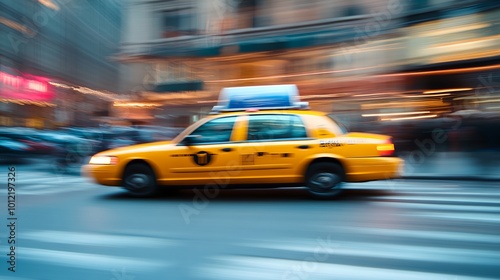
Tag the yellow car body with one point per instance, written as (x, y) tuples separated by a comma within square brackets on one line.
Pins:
[(252, 148)]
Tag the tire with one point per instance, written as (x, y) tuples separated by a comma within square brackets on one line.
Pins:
[(140, 180), (324, 180)]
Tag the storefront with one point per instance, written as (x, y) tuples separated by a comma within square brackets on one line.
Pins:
[(26, 100)]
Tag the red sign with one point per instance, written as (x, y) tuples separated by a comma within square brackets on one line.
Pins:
[(25, 87)]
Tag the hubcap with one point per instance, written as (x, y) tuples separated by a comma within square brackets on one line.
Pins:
[(138, 181), (325, 181)]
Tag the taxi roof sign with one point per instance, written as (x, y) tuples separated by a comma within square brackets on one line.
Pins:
[(259, 97)]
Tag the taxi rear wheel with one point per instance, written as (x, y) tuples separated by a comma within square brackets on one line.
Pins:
[(324, 180), (140, 180)]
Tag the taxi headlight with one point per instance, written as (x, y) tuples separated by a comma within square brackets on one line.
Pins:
[(103, 160)]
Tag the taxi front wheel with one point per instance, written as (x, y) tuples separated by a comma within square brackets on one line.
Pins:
[(324, 180), (140, 180)]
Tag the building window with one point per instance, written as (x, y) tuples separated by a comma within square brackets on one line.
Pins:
[(179, 22), (418, 4), (352, 10)]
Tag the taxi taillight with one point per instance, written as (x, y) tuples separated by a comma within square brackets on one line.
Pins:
[(386, 149)]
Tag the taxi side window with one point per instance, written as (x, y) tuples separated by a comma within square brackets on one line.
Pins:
[(275, 127), (214, 131)]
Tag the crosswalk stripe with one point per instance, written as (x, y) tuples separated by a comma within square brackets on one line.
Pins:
[(453, 193), (49, 191), (36, 180), (51, 185), (391, 251), (246, 267), (469, 217), (89, 261), (428, 235), (94, 239), (432, 199), (434, 206), (15, 278)]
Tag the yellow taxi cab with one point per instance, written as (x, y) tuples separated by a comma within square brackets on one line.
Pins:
[(257, 136)]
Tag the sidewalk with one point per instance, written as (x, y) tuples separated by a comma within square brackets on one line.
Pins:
[(478, 166)]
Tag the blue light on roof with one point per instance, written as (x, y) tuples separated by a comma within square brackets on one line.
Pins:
[(259, 97), (260, 100)]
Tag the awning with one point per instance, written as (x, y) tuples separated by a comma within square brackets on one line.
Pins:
[(179, 86)]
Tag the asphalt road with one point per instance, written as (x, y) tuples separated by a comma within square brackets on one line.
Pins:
[(69, 228)]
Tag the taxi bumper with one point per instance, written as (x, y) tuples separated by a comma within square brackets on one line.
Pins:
[(373, 168), (107, 175)]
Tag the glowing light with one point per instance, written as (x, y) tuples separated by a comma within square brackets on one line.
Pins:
[(207, 101), (24, 88), (10, 80), (16, 26), (456, 29), (385, 147), (428, 95), (85, 90), (487, 101), (411, 118), (293, 75), (433, 72), (395, 114), (36, 86), (427, 104), (49, 4), (28, 102), (135, 104), (448, 71), (447, 90), (371, 94), (103, 160)]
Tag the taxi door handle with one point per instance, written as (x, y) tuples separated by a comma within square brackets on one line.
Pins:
[(226, 149), (303, 147)]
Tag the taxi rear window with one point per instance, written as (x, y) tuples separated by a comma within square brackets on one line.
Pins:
[(339, 124), (275, 127)]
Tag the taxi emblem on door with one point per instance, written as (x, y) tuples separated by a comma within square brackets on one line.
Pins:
[(202, 158)]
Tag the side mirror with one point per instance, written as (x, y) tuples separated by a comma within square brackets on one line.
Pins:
[(189, 140)]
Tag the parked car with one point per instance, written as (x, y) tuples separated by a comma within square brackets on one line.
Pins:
[(12, 148)]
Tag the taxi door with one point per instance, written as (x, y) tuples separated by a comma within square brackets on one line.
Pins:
[(275, 147), (207, 155)]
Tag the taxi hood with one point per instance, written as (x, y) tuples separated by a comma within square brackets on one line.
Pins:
[(138, 148)]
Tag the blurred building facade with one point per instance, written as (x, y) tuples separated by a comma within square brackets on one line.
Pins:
[(54, 61), (363, 60)]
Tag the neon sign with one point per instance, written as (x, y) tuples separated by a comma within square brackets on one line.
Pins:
[(25, 87)]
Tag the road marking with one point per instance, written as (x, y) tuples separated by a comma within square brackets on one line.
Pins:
[(89, 261), (52, 190), (66, 185), (15, 278), (245, 267), (469, 217), (436, 235), (389, 251), (94, 239), (424, 206), (42, 187), (467, 200), (454, 193), (399, 185)]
